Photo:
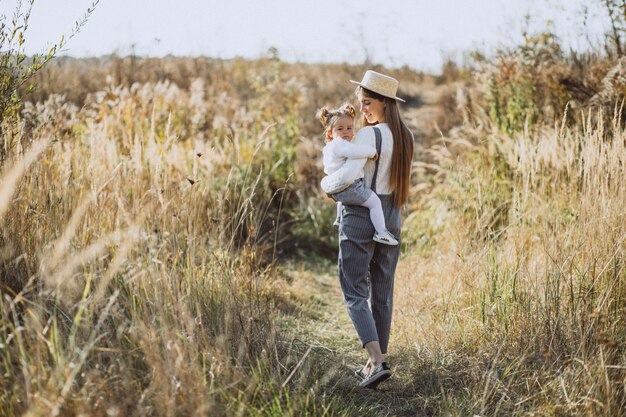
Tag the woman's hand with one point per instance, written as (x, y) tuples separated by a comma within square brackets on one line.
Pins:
[(375, 157)]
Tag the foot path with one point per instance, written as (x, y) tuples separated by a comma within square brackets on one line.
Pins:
[(322, 324), (322, 327)]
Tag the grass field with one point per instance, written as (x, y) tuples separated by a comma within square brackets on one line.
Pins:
[(166, 250)]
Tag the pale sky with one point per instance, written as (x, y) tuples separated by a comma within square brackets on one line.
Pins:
[(418, 33)]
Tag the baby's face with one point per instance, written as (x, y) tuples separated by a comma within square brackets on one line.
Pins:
[(344, 129)]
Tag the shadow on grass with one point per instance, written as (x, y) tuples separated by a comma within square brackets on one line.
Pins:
[(416, 389)]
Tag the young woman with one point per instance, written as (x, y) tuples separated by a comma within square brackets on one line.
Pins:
[(359, 255)]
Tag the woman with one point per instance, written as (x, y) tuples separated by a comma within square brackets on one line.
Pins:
[(366, 269)]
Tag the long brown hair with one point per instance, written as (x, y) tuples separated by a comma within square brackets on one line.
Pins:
[(402, 146)]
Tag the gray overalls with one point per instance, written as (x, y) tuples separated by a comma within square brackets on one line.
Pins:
[(367, 268)]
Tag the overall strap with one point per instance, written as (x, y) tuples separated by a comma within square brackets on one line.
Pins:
[(379, 144)]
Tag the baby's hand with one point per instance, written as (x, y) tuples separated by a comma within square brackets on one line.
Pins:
[(375, 157)]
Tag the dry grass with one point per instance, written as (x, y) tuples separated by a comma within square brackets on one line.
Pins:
[(137, 273), (144, 210), (514, 302)]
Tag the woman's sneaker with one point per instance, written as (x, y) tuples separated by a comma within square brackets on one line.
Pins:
[(379, 374), (361, 373), (385, 238)]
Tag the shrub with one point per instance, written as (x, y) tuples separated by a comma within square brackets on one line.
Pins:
[(17, 69)]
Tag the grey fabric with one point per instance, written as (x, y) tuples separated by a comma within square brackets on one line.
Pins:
[(367, 268), (368, 297), (355, 194)]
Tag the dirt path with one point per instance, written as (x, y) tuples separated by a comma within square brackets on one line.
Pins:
[(322, 323)]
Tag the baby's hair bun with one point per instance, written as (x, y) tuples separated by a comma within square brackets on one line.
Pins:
[(323, 115), (349, 109)]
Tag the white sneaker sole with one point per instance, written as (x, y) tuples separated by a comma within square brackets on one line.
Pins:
[(375, 380), (386, 242)]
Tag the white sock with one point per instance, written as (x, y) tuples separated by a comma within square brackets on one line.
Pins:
[(376, 213)]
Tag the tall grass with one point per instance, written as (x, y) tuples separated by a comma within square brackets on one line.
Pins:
[(147, 203), (516, 305), (138, 273)]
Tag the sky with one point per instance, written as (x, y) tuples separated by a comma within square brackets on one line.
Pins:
[(417, 33)]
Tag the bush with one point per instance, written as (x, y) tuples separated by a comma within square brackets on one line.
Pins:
[(534, 83)]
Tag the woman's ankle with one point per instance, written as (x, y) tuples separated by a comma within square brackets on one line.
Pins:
[(376, 362)]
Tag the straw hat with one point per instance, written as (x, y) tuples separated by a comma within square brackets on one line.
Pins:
[(379, 83)]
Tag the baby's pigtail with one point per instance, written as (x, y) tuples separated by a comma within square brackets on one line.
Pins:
[(322, 115), (350, 110)]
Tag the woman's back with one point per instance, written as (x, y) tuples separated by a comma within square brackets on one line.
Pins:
[(366, 136)]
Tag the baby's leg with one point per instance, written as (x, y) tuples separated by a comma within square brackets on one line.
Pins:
[(376, 213)]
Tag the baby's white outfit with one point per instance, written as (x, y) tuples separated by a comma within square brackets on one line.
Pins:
[(336, 153), (343, 177)]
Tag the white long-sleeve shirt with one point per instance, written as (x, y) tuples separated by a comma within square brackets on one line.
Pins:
[(344, 176), (338, 151)]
